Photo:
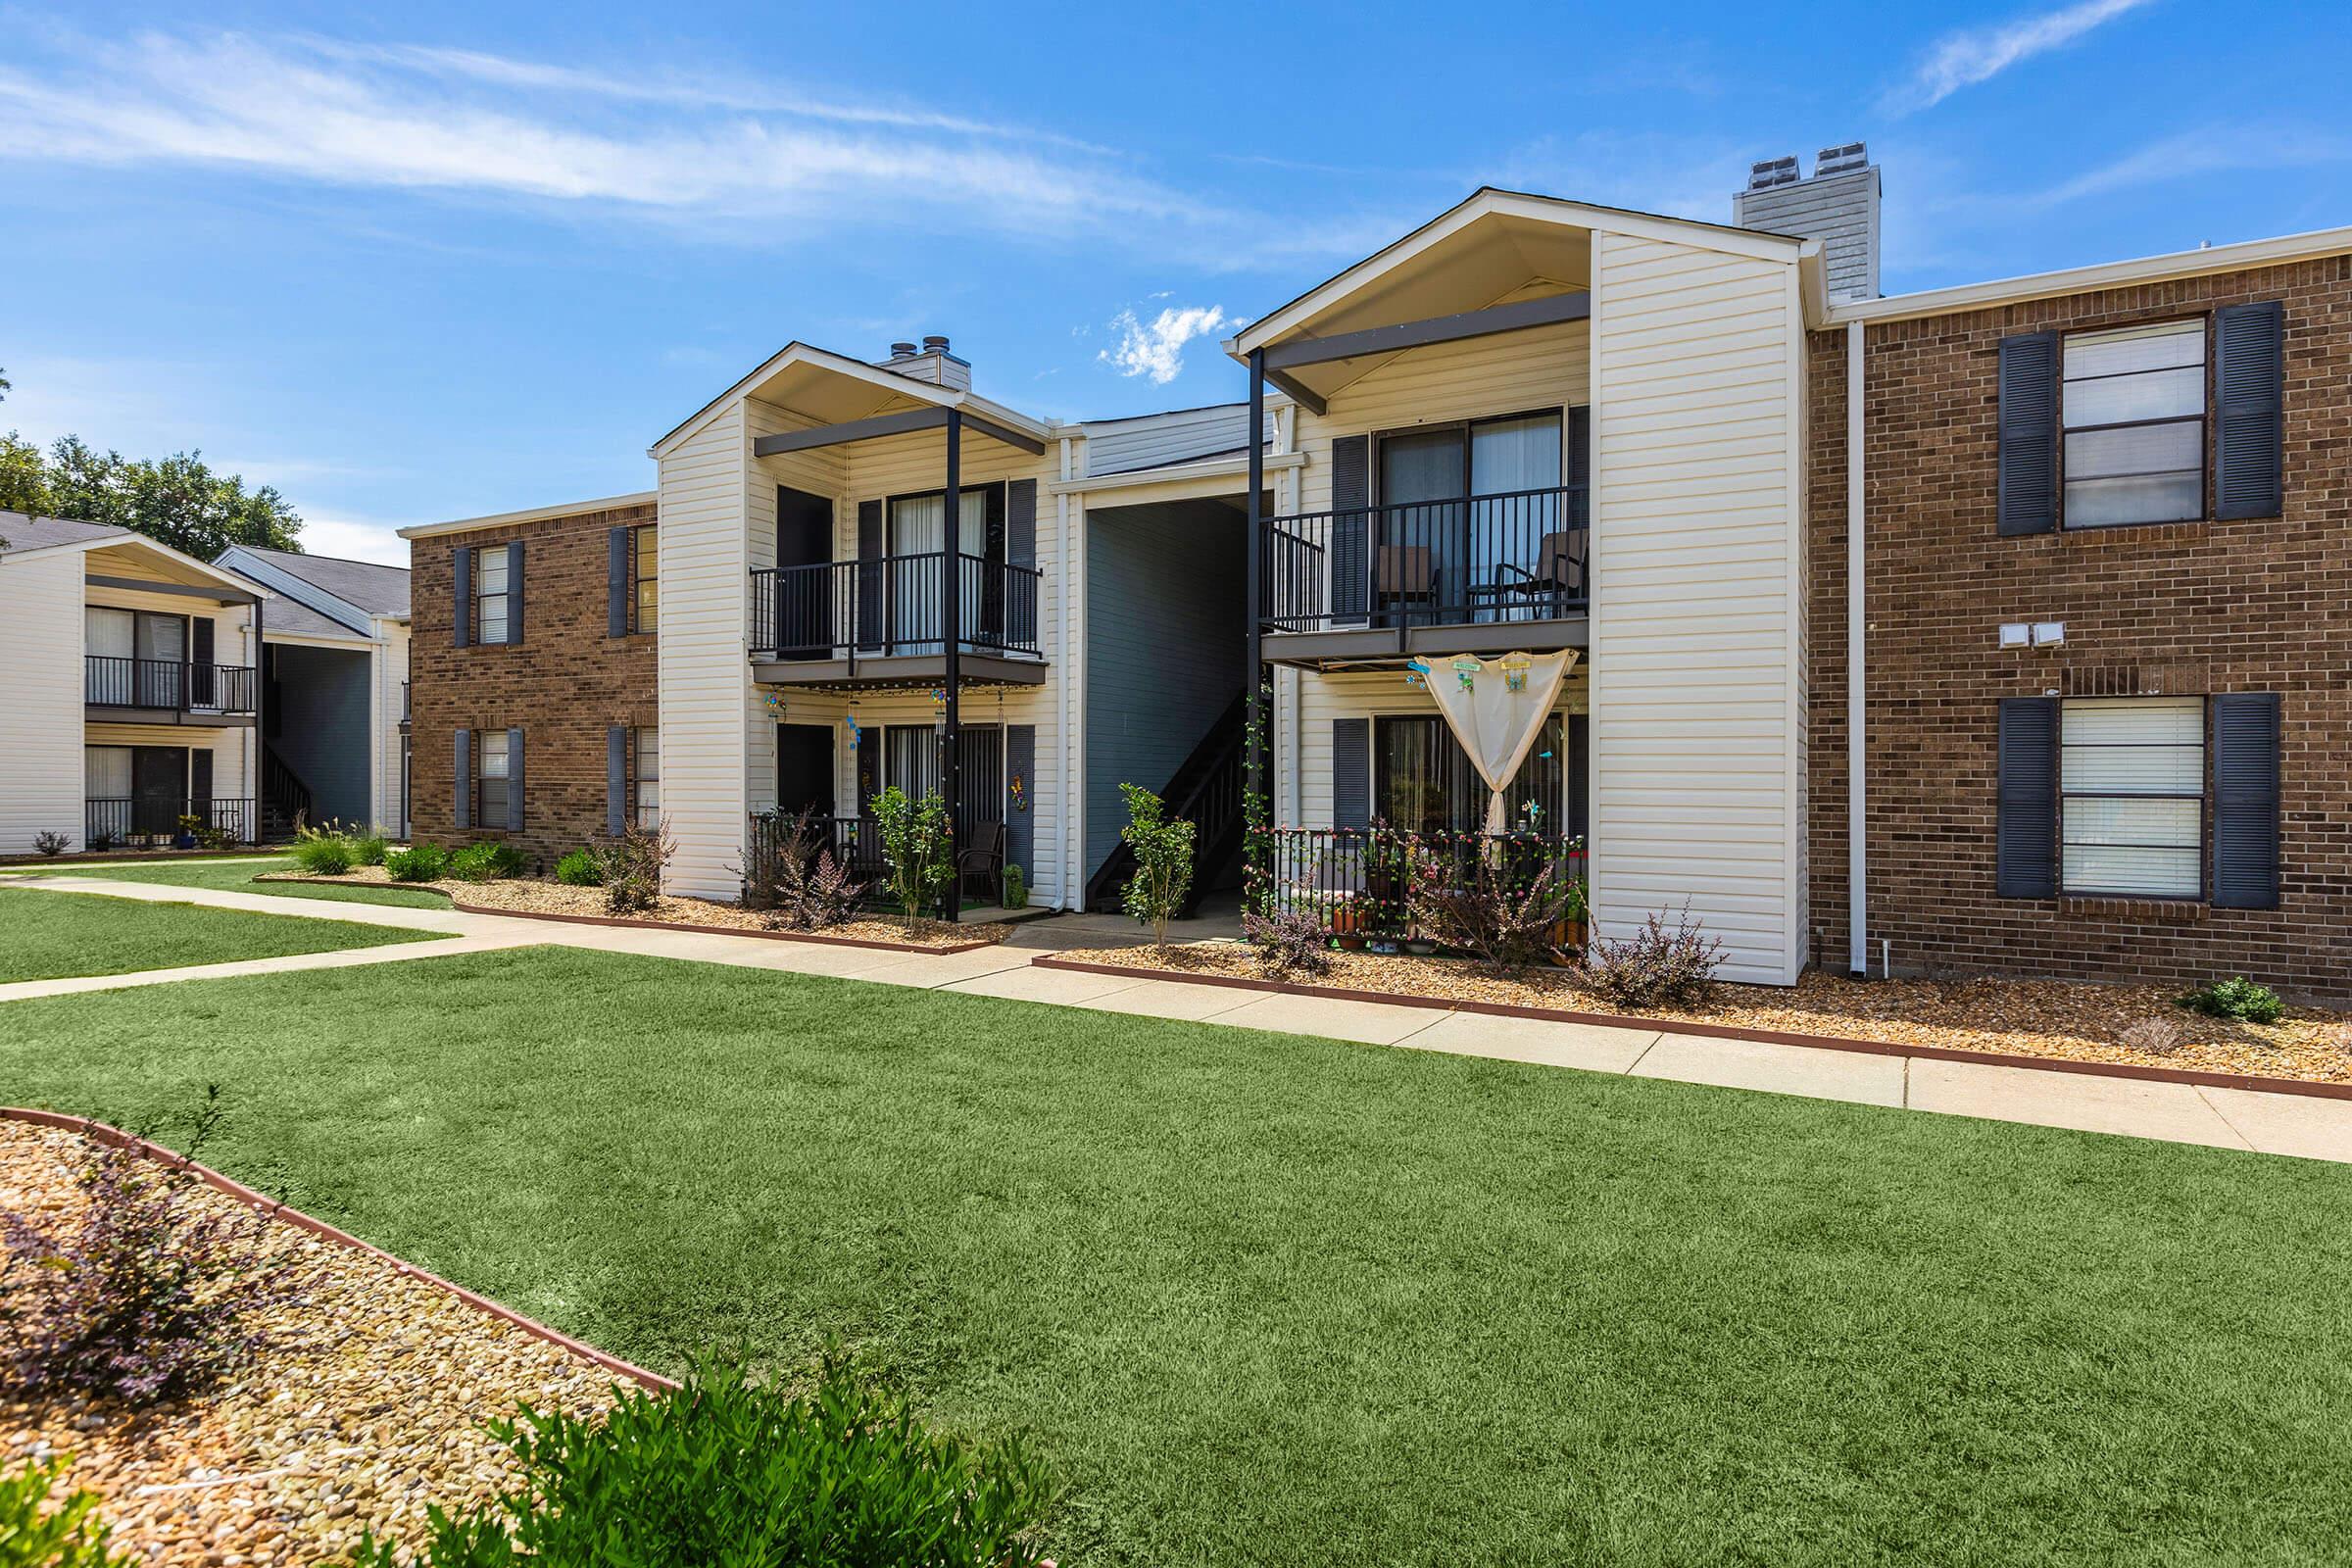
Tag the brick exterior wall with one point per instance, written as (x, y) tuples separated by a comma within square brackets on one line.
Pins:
[(2181, 608), (562, 685)]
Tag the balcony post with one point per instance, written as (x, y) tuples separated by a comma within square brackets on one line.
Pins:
[(1254, 543), (950, 625), (261, 718)]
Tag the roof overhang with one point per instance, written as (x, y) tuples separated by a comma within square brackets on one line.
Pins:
[(1212, 476), (820, 387), (180, 571), (2202, 263)]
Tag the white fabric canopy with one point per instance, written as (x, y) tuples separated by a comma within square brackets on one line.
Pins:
[(1497, 726)]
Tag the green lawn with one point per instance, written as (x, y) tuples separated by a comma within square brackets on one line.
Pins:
[(1275, 1301), (47, 935), (237, 877)]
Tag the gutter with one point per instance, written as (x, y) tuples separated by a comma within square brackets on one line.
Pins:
[(1857, 814)]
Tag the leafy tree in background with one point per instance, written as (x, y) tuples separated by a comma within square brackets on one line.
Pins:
[(177, 500)]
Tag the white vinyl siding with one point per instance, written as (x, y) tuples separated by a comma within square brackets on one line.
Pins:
[(2132, 777), (707, 702), (1697, 657), (40, 719)]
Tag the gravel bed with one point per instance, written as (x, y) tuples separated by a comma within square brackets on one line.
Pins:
[(366, 1406), (528, 896), (2070, 1019)]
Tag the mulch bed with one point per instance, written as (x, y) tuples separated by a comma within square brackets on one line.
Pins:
[(556, 900), (366, 1405), (2066, 1020)]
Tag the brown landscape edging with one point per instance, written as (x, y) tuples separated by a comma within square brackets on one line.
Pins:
[(271, 1209), (763, 934), (89, 858), (1720, 1031)]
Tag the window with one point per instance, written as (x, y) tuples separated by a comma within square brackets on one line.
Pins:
[(1423, 781), (2134, 405), (491, 808), (910, 759), (647, 752), (645, 568), (2131, 784), (490, 596)]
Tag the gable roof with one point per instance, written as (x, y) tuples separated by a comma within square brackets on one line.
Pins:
[(366, 585), (19, 531), (25, 535), (886, 385)]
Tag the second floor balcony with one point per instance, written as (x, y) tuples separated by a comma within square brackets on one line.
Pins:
[(167, 690), (1459, 575), (885, 618)]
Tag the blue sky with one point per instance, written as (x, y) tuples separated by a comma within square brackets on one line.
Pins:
[(425, 261)]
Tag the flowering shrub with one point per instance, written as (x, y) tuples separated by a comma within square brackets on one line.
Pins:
[(1655, 965), (799, 883), (1507, 918), (632, 866), (724, 1471), (154, 1295), (1288, 940)]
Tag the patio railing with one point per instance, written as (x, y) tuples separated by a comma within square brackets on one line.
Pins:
[(117, 819), (1468, 561), (891, 605), (113, 681), (1359, 879)]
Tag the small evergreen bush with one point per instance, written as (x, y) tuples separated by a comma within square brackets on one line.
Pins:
[(38, 1533), (723, 1471), (918, 846), (486, 863), (419, 863), (324, 852), (2236, 998), (1162, 847), (370, 850), (580, 869)]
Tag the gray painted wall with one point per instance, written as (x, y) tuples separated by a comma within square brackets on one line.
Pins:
[(322, 702), (1122, 446), (1164, 630), (1842, 210)]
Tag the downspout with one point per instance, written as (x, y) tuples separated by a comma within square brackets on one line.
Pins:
[(1072, 767), (1857, 782)]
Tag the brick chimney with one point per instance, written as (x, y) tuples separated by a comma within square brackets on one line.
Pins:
[(1838, 206)]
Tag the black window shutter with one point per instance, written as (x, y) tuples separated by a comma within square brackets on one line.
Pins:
[(616, 583), (514, 780), (515, 592), (1579, 466), (870, 574), (460, 589), (2029, 463), (2026, 831), (2249, 380), (1020, 522), (616, 780), (1351, 772), (1020, 824), (2245, 801), (463, 747), (1351, 493), (200, 783)]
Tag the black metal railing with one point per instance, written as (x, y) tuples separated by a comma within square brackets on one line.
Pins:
[(1523, 556), (109, 820), (891, 605), (111, 681), (1359, 880)]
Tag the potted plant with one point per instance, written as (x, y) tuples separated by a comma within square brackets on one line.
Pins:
[(1346, 921), (185, 838)]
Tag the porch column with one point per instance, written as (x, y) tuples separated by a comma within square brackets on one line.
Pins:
[(1254, 780), (950, 625)]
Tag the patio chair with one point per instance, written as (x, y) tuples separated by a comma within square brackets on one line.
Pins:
[(1559, 573), (982, 858), (1404, 577)]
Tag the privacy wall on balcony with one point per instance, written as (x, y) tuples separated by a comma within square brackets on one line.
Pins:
[(1698, 620)]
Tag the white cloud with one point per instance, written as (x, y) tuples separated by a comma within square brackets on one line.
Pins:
[(1155, 349), (1972, 55), (355, 539), (2214, 150)]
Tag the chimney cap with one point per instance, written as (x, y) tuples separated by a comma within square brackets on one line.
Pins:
[(1771, 171), (1842, 159), (935, 343), (902, 351)]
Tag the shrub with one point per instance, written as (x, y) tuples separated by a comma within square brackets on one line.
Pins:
[(799, 883), (370, 850), (1507, 918), (726, 1472), (1655, 965), (632, 867), (50, 842), (1288, 940), (918, 846), (324, 852), (580, 869), (216, 838), (35, 1533), (2238, 998), (486, 861), (419, 863), (156, 1293), (1162, 847), (1016, 888)]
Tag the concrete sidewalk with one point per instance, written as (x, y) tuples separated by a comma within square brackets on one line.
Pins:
[(2229, 1118)]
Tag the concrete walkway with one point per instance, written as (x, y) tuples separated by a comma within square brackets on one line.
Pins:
[(2226, 1118)]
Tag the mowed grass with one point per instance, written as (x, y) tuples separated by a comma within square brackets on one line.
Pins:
[(45, 936), (238, 877), (1264, 1299)]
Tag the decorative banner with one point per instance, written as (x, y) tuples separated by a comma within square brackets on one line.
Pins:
[(1497, 722), (1018, 788), (776, 698), (1416, 674)]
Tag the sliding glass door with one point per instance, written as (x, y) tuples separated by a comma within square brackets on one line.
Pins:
[(1459, 537)]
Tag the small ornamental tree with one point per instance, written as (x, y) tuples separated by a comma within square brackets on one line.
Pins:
[(1162, 847), (918, 846)]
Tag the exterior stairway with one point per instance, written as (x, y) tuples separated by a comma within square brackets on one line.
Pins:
[(1205, 790)]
